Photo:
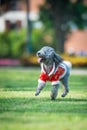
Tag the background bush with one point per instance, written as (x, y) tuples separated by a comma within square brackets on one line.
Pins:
[(77, 61), (13, 43), (40, 38)]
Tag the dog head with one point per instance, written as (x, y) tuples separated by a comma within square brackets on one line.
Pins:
[(47, 55)]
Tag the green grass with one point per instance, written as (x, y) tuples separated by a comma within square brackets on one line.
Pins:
[(21, 110)]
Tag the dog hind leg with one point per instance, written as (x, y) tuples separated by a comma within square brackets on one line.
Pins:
[(65, 85)]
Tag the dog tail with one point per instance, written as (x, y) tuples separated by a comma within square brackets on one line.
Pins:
[(68, 63)]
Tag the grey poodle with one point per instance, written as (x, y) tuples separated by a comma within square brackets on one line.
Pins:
[(53, 69)]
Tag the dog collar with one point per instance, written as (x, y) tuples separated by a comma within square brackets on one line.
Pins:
[(52, 70)]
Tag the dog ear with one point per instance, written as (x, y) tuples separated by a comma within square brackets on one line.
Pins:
[(57, 58)]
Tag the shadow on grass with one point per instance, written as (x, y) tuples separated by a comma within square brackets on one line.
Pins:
[(21, 105), (73, 99)]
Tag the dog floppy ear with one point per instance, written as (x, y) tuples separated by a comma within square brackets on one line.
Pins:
[(57, 58)]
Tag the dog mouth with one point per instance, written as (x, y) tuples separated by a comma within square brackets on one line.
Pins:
[(41, 59)]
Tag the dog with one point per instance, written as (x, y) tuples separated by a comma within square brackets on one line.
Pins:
[(53, 69)]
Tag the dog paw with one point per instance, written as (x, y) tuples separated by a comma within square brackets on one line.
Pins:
[(37, 93), (52, 98), (64, 94)]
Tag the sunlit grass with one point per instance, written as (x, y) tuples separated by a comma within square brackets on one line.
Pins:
[(45, 94), (21, 110)]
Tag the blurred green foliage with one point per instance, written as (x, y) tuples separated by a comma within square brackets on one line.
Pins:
[(64, 16), (41, 37), (13, 43)]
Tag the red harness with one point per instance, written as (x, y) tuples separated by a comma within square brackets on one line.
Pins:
[(55, 76)]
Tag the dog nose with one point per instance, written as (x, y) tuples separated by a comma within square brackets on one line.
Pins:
[(38, 53)]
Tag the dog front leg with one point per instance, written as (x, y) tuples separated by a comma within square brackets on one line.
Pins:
[(54, 92), (39, 88)]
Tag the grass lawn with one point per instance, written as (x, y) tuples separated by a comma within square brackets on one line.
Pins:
[(21, 110)]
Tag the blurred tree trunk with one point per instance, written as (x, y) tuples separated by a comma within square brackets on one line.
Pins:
[(59, 17), (61, 12), (60, 29)]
